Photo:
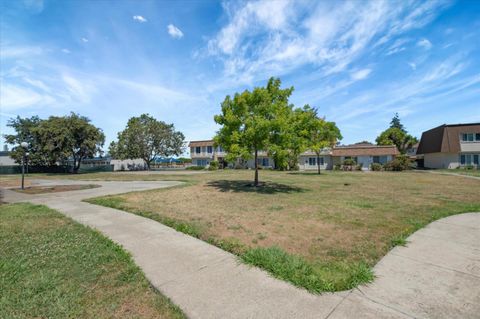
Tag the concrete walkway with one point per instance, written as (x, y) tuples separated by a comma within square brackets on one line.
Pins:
[(436, 276)]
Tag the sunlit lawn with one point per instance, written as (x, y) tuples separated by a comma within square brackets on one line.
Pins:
[(326, 231), (52, 267)]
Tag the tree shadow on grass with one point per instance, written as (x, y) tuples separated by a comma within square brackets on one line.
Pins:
[(247, 187)]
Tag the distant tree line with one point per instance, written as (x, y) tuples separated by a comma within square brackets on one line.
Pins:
[(60, 139)]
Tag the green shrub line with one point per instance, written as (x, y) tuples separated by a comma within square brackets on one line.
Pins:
[(279, 263)]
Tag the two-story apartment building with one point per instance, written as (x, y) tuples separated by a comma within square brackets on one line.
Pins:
[(203, 152), (451, 146)]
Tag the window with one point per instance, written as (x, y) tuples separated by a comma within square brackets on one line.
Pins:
[(468, 137), (265, 162), (220, 149), (470, 159), (477, 137), (380, 159), (312, 161), (321, 161), (198, 149), (209, 149), (201, 162)]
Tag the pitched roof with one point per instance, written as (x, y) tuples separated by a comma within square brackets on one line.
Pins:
[(445, 138), (200, 143), (365, 150)]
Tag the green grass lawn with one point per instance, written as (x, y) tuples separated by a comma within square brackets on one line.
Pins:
[(52, 267), (323, 233)]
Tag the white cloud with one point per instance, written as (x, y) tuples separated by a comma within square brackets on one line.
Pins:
[(263, 38), (67, 51), (13, 52), (15, 97), (174, 32), (412, 65), (139, 19), (425, 43), (85, 40), (360, 74)]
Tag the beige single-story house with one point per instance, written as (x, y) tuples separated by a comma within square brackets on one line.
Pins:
[(203, 152), (451, 146)]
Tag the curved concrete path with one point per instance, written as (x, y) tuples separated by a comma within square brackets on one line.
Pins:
[(436, 276)]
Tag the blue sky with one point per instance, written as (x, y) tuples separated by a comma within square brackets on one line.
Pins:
[(358, 62)]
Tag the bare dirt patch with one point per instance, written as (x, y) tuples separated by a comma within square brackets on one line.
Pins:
[(32, 190)]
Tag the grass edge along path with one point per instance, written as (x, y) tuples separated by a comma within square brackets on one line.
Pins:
[(280, 264), (54, 267)]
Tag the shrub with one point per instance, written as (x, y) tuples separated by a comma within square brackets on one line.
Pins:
[(400, 163), (213, 166), (337, 167), (376, 167), (195, 168), (349, 162), (359, 167)]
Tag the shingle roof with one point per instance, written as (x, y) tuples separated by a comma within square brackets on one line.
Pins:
[(370, 150), (200, 143), (445, 138)]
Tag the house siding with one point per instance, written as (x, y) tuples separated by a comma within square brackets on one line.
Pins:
[(441, 160)]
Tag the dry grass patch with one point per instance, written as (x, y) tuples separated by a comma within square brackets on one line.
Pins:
[(337, 222)]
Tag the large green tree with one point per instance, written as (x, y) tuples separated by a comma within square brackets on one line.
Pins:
[(147, 138), (71, 137), (26, 130), (397, 135), (253, 121), (319, 133), (55, 139)]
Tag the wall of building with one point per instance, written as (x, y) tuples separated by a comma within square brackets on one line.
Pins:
[(441, 160), (122, 165), (304, 162), (7, 161)]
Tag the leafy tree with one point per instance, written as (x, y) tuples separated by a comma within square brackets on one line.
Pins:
[(147, 138), (56, 139), (71, 136), (319, 134), (26, 130), (252, 121), (397, 135), (395, 123)]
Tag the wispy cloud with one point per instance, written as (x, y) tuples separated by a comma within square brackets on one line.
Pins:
[(425, 43), (332, 36), (139, 19), (360, 74), (174, 32), (84, 40), (67, 51)]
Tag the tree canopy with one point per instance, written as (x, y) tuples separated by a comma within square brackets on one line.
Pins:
[(397, 135), (318, 133), (55, 139), (147, 138), (264, 120), (254, 121)]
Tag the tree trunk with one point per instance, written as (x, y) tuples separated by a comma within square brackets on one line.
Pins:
[(255, 183), (76, 165), (318, 163)]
